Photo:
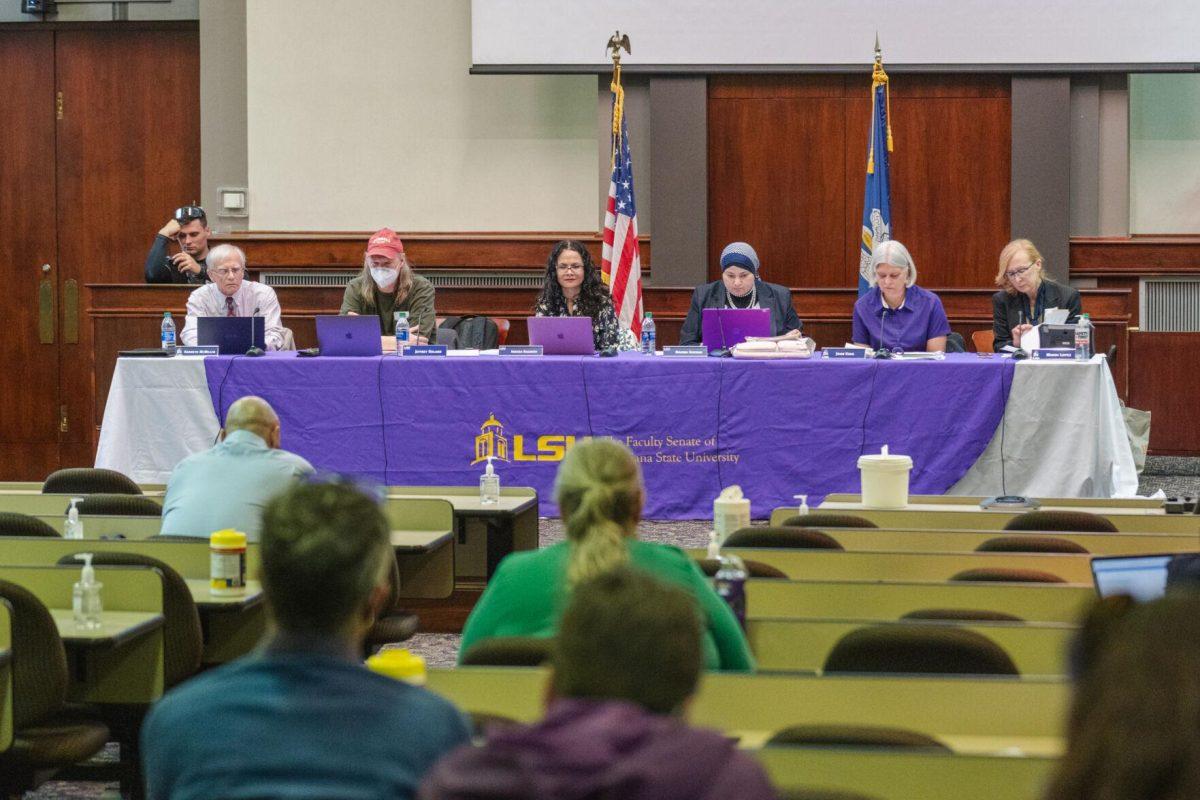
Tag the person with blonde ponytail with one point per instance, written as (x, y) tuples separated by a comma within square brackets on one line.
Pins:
[(600, 494)]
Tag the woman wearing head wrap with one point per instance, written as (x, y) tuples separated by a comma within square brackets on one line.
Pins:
[(740, 287)]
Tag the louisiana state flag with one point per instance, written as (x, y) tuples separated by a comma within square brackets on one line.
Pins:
[(877, 198)]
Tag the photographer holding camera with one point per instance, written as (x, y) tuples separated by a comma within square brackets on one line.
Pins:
[(188, 227)]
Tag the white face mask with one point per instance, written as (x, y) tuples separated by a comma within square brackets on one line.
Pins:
[(384, 276)]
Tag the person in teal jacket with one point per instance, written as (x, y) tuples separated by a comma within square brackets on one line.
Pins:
[(600, 494)]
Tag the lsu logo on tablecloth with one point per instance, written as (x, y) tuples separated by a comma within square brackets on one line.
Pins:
[(493, 442)]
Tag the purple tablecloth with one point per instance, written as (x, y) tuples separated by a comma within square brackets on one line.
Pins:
[(777, 428)]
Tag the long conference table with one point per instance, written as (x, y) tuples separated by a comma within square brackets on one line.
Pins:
[(972, 424)]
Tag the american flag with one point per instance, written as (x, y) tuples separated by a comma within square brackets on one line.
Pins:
[(622, 273)]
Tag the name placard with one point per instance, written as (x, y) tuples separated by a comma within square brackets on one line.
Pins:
[(843, 352), (199, 350), (686, 351), (521, 350), (425, 350), (1054, 354)]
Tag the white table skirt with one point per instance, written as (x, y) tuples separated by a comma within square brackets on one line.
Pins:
[(158, 412), (1062, 434)]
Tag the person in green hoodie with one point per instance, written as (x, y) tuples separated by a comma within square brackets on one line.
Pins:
[(600, 495)]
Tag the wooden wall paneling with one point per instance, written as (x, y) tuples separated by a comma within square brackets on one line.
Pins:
[(1134, 255), (775, 151), (1164, 381), (128, 155), (29, 393), (777, 179)]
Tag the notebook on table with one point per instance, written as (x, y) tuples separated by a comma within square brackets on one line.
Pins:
[(722, 328), (349, 336), (562, 336), (233, 335)]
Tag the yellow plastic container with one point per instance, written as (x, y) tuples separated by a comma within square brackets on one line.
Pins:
[(227, 563), (399, 664)]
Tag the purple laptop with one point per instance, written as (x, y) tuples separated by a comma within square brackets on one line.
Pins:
[(562, 336), (722, 328), (349, 336)]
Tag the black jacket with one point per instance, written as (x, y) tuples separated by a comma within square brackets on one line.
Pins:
[(159, 271), (1007, 310), (771, 296)]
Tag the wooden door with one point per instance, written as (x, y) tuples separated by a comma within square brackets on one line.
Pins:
[(29, 267), (128, 155)]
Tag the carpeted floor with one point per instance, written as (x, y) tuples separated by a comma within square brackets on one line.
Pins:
[(1171, 475)]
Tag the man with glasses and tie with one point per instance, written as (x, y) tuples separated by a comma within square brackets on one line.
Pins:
[(189, 228), (231, 295)]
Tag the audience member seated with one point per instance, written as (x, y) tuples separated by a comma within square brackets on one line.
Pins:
[(1025, 294), (740, 287), (600, 496), (1134, 729), (896, 313), (573, 288), (626, 662), (230, 295), (387, 284), (302, 717), (229, 485), (188, 227)]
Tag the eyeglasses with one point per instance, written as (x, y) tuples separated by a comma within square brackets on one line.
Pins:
[(185, 214), (1019, 271), (228, 272), (569, 267)]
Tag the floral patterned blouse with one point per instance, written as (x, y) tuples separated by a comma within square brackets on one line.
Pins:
[(606, 329)]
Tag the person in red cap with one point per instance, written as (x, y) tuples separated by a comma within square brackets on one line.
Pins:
[(388, 284)]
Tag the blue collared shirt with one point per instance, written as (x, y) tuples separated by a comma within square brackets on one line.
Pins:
[(918, 319), (228, 486)]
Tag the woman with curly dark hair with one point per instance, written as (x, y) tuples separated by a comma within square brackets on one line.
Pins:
[(572, 288), (1134, 731)]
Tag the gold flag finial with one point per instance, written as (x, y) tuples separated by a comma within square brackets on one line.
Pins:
[(616, 43)]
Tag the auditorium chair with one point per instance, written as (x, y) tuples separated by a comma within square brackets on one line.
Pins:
[(183, 648), (1061, 520), (961, 615), (785, 536), (15, 524), (821, 794), (89, 480), (918, 649), (1030, 544), (857, 736), (119, 505), (1006, 575), (827, 520), (509, 651), (955, 343), (983, 340), (754, 569), (46, 735)]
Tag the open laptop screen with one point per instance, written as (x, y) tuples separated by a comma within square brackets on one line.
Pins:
[(1143, 578)]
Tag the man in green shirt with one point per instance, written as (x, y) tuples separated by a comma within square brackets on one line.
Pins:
[(388, 284)]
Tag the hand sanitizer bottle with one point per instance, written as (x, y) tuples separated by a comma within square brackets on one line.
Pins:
[(803, 498), (74, 526), (489, 485), (714, 546), (85, 596)]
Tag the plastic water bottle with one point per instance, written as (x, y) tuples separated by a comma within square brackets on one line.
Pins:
[(1083, 338), (649, 335), (402, 328), (730, 583), (168, 332)]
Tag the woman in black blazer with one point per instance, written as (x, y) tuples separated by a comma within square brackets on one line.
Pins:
[(1025, 294), (740, 287)]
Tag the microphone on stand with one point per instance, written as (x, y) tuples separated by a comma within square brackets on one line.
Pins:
[(883, 352)]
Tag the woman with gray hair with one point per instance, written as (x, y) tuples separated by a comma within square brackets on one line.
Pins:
[(896, 314), (740, 287)]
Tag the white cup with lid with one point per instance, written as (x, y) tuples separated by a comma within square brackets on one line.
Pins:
[(884, 479)]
